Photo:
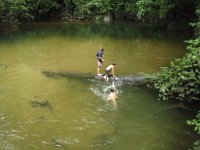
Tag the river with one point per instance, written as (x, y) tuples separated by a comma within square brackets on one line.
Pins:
[(38, 112)]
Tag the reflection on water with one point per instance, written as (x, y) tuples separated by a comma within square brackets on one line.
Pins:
[(38, 112), (133, 48)]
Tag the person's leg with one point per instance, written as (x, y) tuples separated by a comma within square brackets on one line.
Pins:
[(109, 75), (106, 75), (98, 67), (98, 70)]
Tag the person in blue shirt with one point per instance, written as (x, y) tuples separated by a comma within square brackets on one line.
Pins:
[(100, 60)]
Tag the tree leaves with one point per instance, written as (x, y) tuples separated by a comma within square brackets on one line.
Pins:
[(180, 80)]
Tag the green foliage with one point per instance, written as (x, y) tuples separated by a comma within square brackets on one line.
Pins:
[(1, 9), (13, 11), (196, 145), (69, 6), (93, 8), (97, 7), (42, 9), (195, 45), (196, 122), (36, 10), (181, 80), (129, 6), (153, 9)]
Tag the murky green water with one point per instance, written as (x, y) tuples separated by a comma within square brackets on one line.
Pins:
[(37, 112)]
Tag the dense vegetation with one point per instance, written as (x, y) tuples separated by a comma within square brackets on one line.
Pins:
[(180, 80), (166, 12)]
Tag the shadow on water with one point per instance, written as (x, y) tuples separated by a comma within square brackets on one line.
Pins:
[(136, 79), (41, 104), (3, 66)]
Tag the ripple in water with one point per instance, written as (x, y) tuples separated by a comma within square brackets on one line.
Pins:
[(102, 90)]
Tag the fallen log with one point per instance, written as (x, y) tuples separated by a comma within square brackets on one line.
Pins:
[(138, 79)]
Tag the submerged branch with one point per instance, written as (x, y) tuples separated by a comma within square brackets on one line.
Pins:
[(130, 79)]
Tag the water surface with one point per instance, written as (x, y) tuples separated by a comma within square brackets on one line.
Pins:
[(38, 112)]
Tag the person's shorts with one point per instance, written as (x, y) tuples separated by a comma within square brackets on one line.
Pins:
[(108, 73), (99, 64)]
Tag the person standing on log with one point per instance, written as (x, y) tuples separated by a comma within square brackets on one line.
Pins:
[(100, 60)]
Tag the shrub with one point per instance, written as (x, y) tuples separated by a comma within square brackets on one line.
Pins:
[(181, 80)]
